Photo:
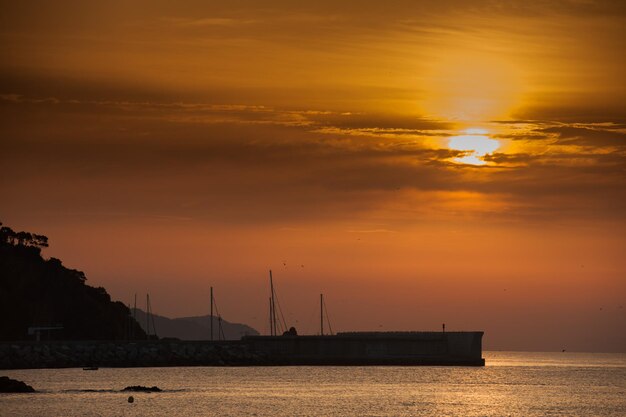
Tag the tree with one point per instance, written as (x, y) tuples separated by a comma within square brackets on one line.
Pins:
[(43, 292), (9, 236)]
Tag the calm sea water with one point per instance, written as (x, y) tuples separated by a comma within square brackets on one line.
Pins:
[(512, 384)]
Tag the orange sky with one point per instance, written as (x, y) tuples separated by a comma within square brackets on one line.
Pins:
[(417, 163)]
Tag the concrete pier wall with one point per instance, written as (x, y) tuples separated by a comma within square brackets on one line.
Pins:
[(411, 348), (375, 348)]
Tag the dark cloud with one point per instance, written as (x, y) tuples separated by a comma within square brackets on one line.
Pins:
[(571, 135), (505, 158), (128, 161), (31, 83), (587, 162), (598, 135), (379, 121), (594, 107)]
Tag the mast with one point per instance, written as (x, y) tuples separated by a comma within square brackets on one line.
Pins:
[(148, 316), (154, 332), (275, 309), (322, 314), (324, 311), (135, 314), (271, 331), (129, 324), (273, 304), (211, 316)]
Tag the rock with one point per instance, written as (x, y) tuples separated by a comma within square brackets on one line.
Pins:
[(12, 385), (140, 388)]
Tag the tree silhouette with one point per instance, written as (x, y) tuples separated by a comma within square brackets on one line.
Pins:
[(43, 292), (9, 236)]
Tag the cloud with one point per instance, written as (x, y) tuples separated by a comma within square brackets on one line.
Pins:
[(510, 159), (600, 135), (265, 173), (350, 120), (585, 136), (128, 150), (199, 112)]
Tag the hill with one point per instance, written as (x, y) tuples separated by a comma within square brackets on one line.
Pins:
[(194, 328), (38, 292)]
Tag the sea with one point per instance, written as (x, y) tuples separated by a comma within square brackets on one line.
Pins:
[(511, 384)]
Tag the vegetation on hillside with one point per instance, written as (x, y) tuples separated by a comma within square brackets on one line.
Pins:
[(38, 292)]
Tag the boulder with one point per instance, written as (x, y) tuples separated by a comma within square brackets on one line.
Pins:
[(12, 385)]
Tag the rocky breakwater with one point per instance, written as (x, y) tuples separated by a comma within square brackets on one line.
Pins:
[(75, 354)]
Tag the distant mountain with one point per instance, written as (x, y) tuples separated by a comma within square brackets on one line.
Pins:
[(193, 328), (48, 298)]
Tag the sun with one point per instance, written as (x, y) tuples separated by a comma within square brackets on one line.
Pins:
[(476, 143)]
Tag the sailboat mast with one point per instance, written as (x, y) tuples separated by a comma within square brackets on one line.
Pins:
[(129, 324), (154, 332), (211, 315), (134, 315), (322, 314), (147, 315), (273, 304), (271, 330)]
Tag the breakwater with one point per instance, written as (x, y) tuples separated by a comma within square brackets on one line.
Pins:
[(80, 354), (373, 348)]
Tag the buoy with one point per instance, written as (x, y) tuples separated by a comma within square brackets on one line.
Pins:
[(131, 399)]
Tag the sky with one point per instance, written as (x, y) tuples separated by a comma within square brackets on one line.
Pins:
[(419, 163)]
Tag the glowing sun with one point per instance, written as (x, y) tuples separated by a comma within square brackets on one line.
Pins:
[(476, 143)]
